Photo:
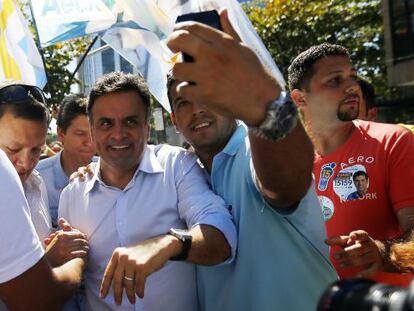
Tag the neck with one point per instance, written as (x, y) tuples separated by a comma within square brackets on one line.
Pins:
[(207, 154), (326, 139), (115, 177), (206, 158), (69, 164)]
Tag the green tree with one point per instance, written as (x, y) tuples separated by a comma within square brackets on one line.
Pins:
[(57, 58), (288, 27)]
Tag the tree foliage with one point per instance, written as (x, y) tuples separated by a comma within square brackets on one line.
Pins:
[(288, 27), (56, 59)]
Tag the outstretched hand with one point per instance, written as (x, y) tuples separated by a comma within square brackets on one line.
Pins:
[(227, 76), (65, 244), (129, 267), (358, 250)]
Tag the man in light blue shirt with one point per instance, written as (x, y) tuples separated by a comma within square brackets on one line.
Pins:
[(263, 172), (73, 132), (148, 210)]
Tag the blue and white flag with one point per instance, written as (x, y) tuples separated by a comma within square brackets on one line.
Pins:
[(20, 58), (137, 30)]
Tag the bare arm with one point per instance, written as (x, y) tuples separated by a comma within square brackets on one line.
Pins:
[(209, 247), (283, 168), (42, 288), (223, 73)]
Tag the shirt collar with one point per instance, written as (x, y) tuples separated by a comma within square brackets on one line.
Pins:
[(34, 179), (60, 177), (149, 164), (236, 139)]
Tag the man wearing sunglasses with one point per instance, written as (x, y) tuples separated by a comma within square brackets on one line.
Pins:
[(24, 220)]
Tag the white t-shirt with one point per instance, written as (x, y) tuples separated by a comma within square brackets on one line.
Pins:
[(20, 247)]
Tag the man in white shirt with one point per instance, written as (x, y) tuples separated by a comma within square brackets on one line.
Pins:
[(23, 264), (135, 202), (23, 127)]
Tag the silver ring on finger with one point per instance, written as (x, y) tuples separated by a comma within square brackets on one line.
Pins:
[(126, 278)]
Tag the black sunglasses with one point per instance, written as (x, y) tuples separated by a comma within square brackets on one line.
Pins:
[(20, 92)]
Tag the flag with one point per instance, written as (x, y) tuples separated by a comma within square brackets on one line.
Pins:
[(20, 58), (138, 29)]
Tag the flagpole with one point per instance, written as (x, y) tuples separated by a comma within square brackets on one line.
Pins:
[(80, 64), (37, 40)]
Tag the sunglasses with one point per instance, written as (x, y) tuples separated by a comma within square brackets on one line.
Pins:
[(20, 92)]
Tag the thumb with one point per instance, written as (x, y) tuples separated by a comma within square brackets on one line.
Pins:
[(226, 25), (64, 224)]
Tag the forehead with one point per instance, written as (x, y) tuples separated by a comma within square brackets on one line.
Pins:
[(23, 131), (331, 65), (79, 121), (119, 104)]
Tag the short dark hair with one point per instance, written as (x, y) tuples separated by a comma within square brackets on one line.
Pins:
[(359, 173), (72, 106), (300, 71), (170, 82), (368, 92), (119, 82), (29, 109)]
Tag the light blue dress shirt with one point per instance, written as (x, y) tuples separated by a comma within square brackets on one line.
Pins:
[(282, 261), (168, 190), (55, 180)]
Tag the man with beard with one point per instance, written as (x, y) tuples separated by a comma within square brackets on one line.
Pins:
[(324, 86)]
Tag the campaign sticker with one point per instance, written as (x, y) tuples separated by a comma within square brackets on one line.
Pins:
[(327, 171), (346, 182), (327, 207)]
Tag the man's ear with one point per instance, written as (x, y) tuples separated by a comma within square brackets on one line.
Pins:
[(372, 113), (174, 122), (60, 134), (298, 98)]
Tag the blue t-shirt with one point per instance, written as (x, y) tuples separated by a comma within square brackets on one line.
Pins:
[(55, 180), (282, 261)]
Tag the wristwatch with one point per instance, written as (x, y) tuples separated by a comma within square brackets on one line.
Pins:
[(186, 239), (281, 119)]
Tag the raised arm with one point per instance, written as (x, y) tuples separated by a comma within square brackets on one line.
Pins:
[(229, 78)]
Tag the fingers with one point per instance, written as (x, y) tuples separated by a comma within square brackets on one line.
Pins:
[(227, 26), (359, 235), (187, 42), (338, 241), (129, 283), (108, 275), (64, 224), (117, 283)]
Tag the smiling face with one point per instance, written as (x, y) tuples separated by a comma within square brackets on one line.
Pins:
[(361, 184), (333, 94), (119, 130), (205, 130), (22, 141)]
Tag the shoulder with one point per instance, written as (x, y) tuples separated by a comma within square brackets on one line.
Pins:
[(381, 130), (174, 157), (46, 164), (388, 135)]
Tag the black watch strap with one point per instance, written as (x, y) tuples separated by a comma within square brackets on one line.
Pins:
[(186, 240)]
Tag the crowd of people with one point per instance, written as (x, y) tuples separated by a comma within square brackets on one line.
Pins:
[(279, 195)]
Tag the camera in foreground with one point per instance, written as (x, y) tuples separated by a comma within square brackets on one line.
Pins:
[(366, 295)]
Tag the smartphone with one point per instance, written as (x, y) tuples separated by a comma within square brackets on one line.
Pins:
[(210, 18)]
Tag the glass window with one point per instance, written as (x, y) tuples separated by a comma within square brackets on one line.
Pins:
[(126, 65), (402, 28), (108, 61)]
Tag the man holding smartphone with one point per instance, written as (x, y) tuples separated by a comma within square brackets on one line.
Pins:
[(263, 171)]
